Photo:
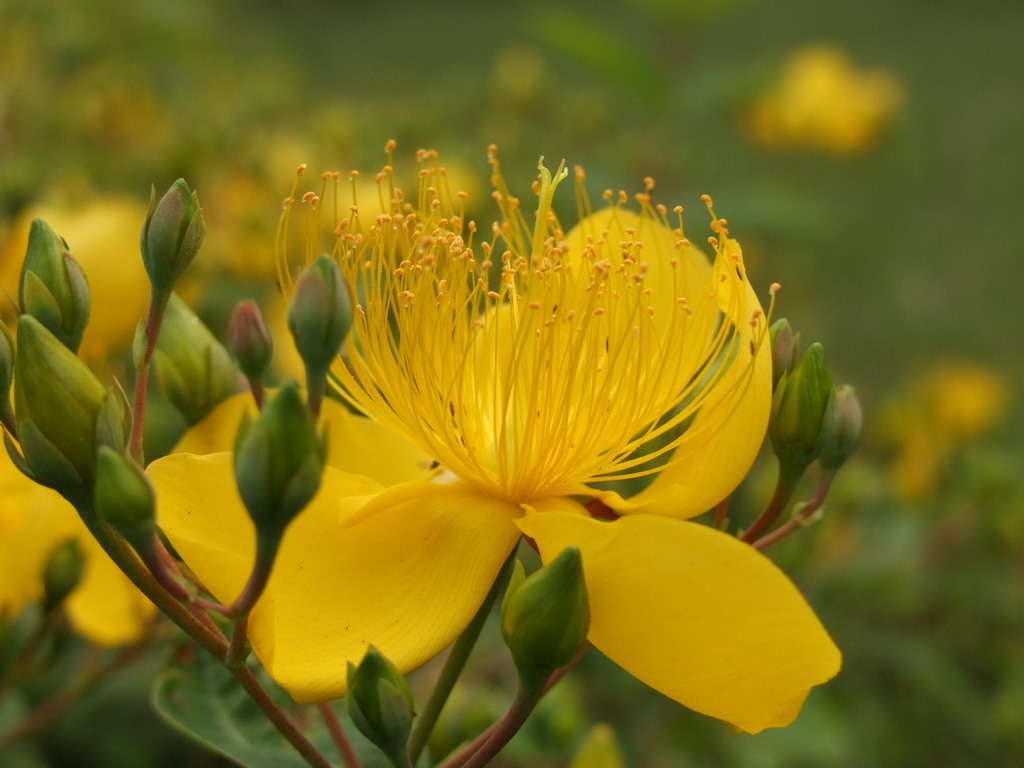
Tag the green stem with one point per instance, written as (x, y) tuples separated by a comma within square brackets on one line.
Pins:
[(785, 486), (459, 758), (125, 559), (800, 518), (455, 663), (528, 694), (266, 552), (348, 754), (154, 319)]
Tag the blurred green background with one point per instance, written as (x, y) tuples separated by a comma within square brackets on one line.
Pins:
[(899, 254)]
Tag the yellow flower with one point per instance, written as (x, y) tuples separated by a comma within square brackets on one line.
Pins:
[(823, 102), (952, 404), (104, 608), (525, 365), (104, 238)]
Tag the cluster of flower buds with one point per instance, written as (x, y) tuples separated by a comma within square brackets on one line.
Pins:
[(810, 418)]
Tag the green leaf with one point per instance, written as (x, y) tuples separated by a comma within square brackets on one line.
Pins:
[(201, 700)]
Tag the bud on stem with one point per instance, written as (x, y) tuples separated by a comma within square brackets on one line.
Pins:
[(62, 574), (319, 317), (545, 617), (53, 288), (171, 237), (250, 344), (380, 704)]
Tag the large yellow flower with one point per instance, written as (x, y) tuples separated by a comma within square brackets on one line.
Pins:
[(525, 367)]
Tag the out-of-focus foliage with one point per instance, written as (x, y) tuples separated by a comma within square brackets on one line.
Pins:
[(899, 256)]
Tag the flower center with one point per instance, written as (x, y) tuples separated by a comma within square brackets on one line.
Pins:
[(536, 361)]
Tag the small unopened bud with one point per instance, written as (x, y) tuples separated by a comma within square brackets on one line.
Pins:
[(545, 617), (57, 401), (125, 498), (249, 340), (380, 704), (53, 288), (114, 422), (849, 419), (785, 349), (279, 459), (803, 415), (171, 235), (319, 317), (193, 369), (62, 573)]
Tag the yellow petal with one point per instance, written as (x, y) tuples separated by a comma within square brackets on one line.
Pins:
[(355, 444), (726, 434), (407, 577), (105, 607), (31, 526), (695, 614)]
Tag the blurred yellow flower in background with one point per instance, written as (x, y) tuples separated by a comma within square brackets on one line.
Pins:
[(821, 101), (105, 607), (950, 405), (103, 235)]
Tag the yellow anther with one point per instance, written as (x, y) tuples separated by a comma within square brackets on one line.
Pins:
[(774, 288), (300, 170), (390, 145)]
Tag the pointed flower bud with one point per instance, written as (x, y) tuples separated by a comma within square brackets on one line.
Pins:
[(53, 288), (114, 422), (249, 340), (62, 573), (380, 704), (193, 369), (545, 617), (171, 235), (320, 316), (803, 415), (785, 349), (849, 419), (125, 498), (279, 459), (57, 400)]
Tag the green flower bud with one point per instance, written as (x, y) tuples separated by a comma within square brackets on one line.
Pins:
[(57, 401), (380, 704), (320, 316), (279, 459), (62, 573), (849, 419), (545, 617), (785, 348), (125, 498), (249, 340), (193, 369), (803, 415), (171, 236), (53, 288), (114, 422)]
